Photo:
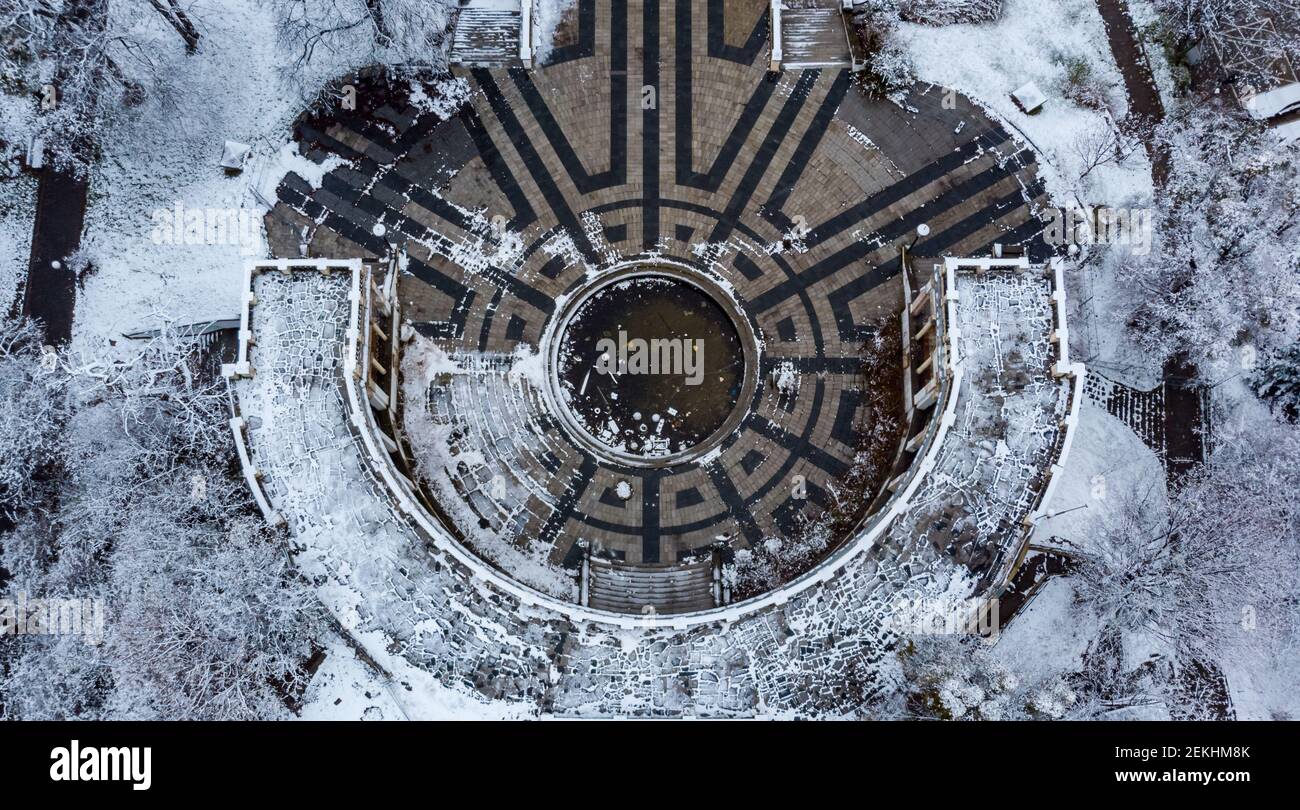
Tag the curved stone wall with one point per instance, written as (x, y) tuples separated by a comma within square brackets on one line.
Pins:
[(798, 195)]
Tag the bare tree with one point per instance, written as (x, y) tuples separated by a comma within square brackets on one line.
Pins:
[(390, 32), (83, 57), (1211, 569), (207, 617), (172, 408), (179, 19), (1102, 145)]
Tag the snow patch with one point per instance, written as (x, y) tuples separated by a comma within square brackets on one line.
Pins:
[(529, 365), (547, 15), (450, 94), (1029, 45)]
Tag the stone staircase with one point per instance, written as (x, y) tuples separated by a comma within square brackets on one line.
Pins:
[(652, 589), (813, 35), (1142, 411), (487, 34)]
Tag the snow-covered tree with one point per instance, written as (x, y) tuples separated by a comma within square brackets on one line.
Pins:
[(412, 33), (949, 12), (777, 560), (1207, 16), (1225, 268), (171, 404), (81, 59), (1277, 381), (934, 12), (1210, 571), (955, 677), (889, 65), (209, 618), (33, 407), (206, 616)]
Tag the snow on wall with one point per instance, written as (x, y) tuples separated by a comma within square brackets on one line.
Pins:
[(433, 617)]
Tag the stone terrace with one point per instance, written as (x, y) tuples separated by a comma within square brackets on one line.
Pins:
[(825, 651), (655, 130)]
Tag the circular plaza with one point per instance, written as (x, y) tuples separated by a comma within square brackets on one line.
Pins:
[(654, 293)]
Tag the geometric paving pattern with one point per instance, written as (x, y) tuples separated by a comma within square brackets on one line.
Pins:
[(655, 130)]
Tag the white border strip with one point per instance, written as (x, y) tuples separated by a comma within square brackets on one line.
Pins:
[(251, 475), (526, 33), (776, 36)]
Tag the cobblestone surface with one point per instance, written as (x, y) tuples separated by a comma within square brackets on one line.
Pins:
[(656, 131), (796, 192), (826, 651)]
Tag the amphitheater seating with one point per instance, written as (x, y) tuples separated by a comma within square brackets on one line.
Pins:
[(651, 589), (487, 34), (814, 35)]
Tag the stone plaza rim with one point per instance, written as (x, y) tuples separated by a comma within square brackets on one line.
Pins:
[(717, 292)]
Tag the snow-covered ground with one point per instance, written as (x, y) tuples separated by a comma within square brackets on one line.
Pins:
[(1265, 690), (17, 211), (166, 154), (1036, 42), (1049, 637), (347, 688), (1098, 305), (1107, 460)]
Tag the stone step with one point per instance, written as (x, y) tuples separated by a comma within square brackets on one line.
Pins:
[(631, 588), (487, 36), (814, 37)]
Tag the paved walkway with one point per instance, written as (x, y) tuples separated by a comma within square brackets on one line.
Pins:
[(51, 292), (1146, 111), (1182, 443), (656, 130), (1170, 419)]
